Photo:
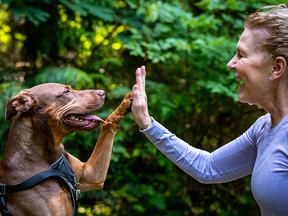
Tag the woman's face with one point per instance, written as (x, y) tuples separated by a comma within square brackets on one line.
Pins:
[(252, 67)]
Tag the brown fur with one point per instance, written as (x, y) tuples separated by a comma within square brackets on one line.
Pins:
[(34, 143)]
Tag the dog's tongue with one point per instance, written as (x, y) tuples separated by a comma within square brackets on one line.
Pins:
[(92, 118)]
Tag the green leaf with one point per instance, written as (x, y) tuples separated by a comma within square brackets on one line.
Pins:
[(90, 8), (66, 75), (36, 16)]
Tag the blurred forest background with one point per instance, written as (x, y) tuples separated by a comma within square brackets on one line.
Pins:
[(184, 44)]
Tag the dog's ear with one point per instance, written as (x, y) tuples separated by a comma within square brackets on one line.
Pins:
[(21, 102)]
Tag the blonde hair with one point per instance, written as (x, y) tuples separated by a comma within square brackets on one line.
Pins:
[(273, 21)]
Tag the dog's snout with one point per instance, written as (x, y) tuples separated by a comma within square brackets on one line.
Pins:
[(101, 93)]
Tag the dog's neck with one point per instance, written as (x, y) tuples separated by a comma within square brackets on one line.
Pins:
[(31, 144)]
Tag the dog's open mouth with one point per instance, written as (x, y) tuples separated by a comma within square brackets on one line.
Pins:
[(85, 122)]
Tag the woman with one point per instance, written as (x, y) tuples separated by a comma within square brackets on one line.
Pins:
[(261, 64)]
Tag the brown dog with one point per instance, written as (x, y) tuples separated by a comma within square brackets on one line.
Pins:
[(42, 116)]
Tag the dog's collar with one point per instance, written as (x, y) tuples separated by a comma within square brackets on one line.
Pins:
[(60, 169)]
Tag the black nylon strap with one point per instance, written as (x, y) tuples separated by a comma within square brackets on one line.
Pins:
[(34, 180), (3, 207)]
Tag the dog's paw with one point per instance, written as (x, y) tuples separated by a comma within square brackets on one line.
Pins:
[(126, 103), (125, 106), (123, 109)]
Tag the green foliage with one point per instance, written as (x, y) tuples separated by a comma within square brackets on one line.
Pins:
[(34, 14), (69, 75), (90, 7), (185, 46)]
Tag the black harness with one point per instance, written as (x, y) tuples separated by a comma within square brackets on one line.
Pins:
[(61, 170)]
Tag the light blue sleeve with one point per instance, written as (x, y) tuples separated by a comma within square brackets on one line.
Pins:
[(231, 161)]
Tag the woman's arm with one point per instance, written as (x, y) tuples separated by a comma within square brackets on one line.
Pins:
[(232, 161)]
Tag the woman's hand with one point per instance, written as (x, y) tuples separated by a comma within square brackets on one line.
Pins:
[(139, 105)]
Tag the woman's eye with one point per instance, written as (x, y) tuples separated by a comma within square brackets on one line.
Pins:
[(66, 91), (239, 55)]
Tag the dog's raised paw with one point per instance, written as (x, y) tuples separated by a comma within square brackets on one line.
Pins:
[(126, 104), (123, 109)]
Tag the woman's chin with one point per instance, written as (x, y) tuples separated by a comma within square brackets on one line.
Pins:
[(242, 99), (241, 95)]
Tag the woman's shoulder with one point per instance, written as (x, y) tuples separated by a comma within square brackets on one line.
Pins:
[(259, 126), (266, 118)]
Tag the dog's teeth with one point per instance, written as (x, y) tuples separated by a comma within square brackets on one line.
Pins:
[(75, 118), (72, 117)]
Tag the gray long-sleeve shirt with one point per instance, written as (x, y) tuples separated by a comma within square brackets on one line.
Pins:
[(260, 151)]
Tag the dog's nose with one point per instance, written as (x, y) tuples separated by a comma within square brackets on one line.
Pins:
[(101, 93)]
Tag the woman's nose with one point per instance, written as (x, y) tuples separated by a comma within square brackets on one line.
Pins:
[(232, 63)]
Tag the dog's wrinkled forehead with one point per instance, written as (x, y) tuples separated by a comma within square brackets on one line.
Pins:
[(51, 93), (50, 89)]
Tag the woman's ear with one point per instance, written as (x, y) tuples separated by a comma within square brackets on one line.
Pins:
[(280, 67)]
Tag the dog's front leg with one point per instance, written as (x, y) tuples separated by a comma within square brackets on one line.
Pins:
[(92, 174)]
